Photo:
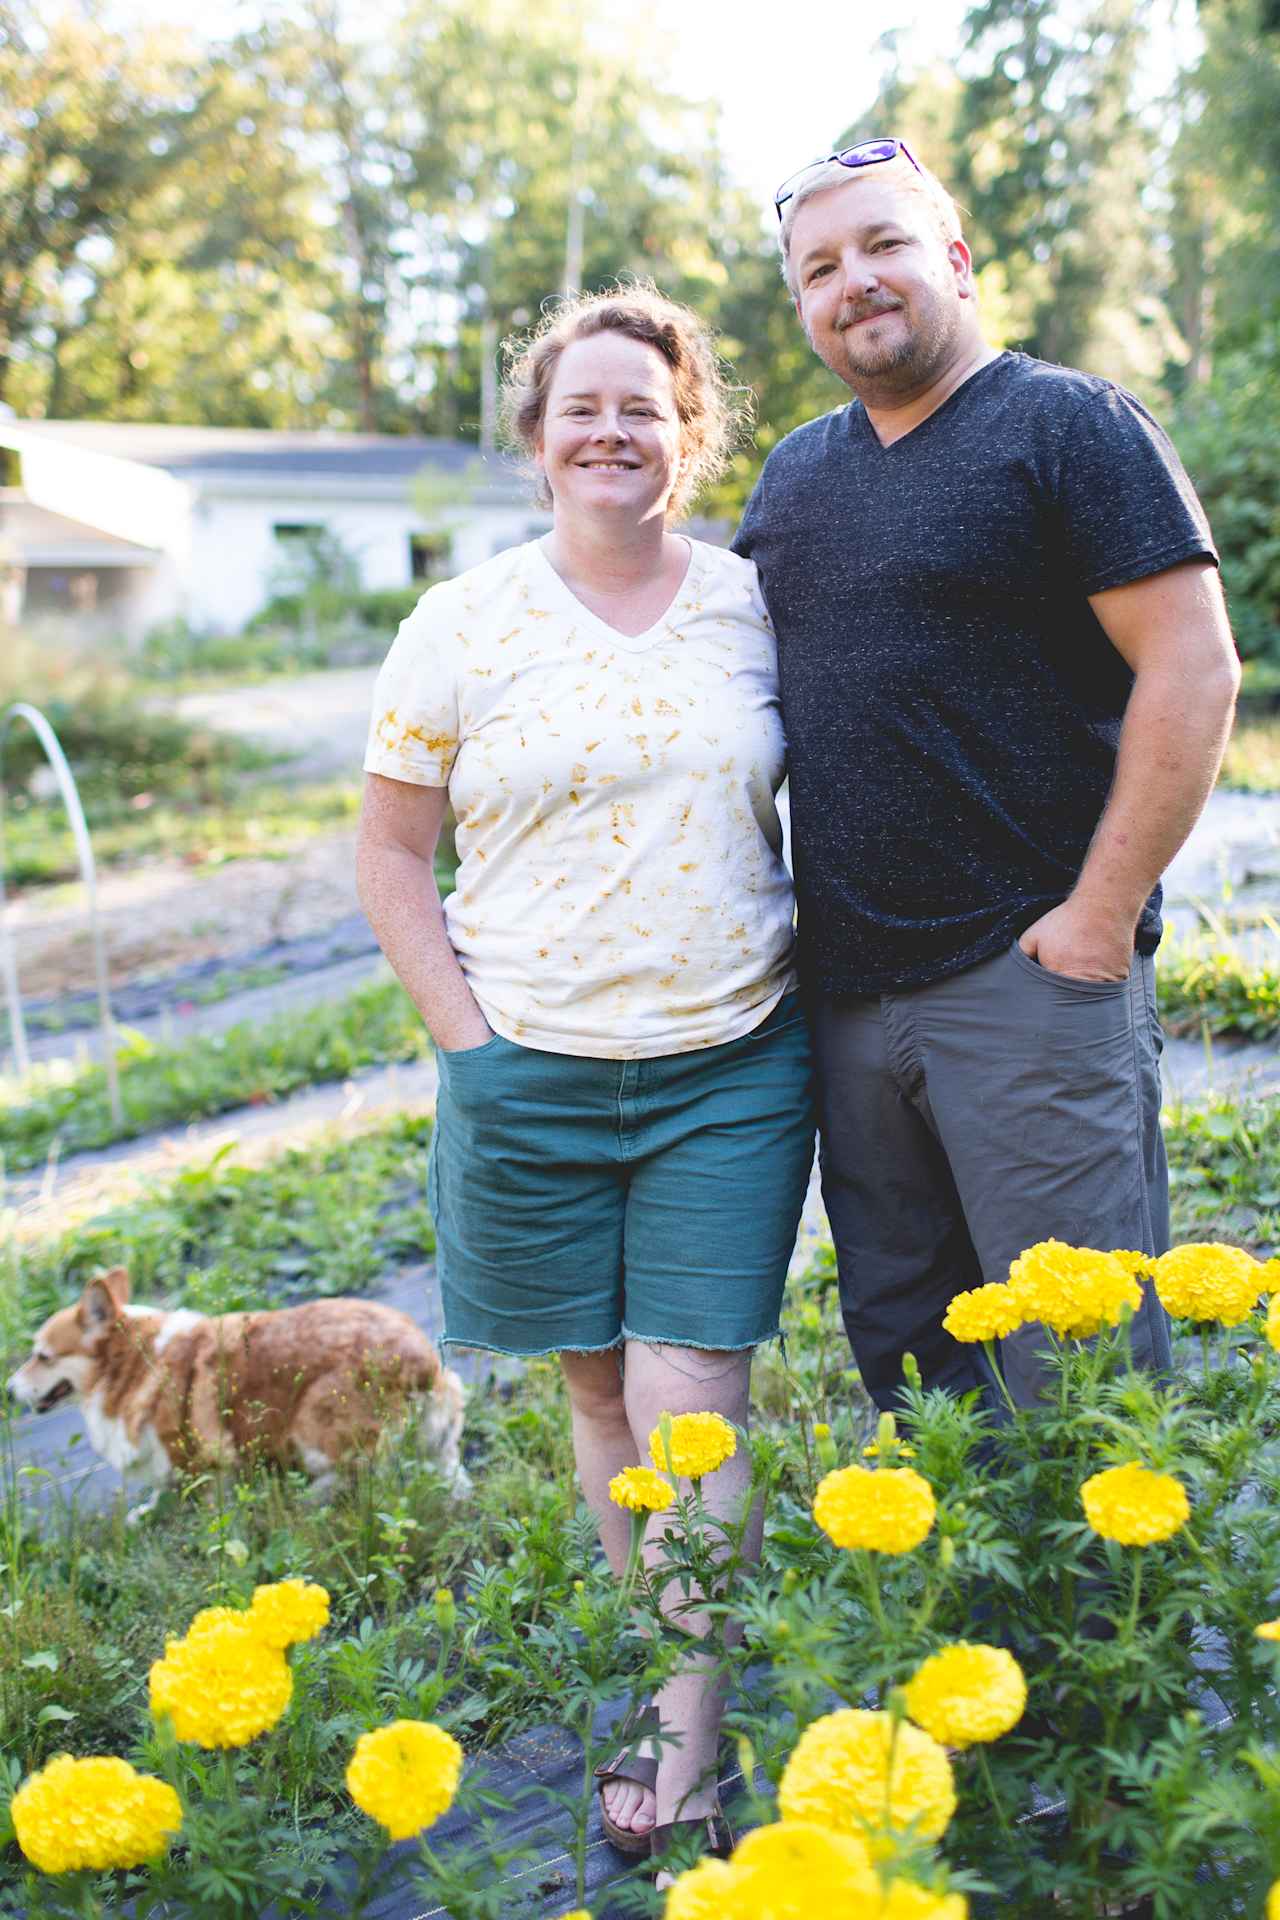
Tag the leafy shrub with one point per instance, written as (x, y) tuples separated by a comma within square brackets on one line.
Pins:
[(1227, 433), (118, 744)]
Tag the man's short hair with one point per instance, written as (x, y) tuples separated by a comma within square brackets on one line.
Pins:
[(822, 179)]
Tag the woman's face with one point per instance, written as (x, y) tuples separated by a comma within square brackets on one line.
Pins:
[(610, 440)]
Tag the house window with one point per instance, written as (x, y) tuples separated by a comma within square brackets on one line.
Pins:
[(287, 530), (429, 555)]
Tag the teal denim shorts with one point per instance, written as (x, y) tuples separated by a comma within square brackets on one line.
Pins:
[(580, 1203)]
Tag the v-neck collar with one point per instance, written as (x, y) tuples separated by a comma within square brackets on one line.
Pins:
[(859, 412), (683, 597)]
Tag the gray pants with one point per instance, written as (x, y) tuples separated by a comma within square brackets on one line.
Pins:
[(964, 1121)]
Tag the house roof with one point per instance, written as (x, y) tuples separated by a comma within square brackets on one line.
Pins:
[(263, 450), (31, 536)]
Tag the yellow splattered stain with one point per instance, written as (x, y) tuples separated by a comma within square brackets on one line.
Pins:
[(396, 738), (689, 866)]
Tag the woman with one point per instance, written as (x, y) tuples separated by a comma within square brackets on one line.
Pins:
[(625, 1120)]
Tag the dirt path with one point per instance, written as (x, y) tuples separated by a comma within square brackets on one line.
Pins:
[(163, 914)]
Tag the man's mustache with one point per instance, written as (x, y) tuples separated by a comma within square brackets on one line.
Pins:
[(849, 316)]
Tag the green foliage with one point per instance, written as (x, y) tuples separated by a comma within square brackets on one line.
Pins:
[(229, 1236), (1252, 761), (1227, 432), (117, 744), (248, 1065), (1205, 984), (375, 612), (258, 822), (1224, 1159)]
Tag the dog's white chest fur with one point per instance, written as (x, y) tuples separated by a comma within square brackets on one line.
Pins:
[(109, 1436)]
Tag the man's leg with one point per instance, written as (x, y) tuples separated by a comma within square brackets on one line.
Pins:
[(901, 1241), (1046, 1092)]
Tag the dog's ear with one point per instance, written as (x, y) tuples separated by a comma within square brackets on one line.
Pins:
[(117, 1284), (100, 1304)]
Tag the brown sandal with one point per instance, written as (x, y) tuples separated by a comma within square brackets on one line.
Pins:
[(641, 1769), (712, 1829)]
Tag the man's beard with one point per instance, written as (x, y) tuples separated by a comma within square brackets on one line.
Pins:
[(901, 366)]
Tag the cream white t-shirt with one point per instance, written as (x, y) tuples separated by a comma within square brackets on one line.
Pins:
[(621, 891)]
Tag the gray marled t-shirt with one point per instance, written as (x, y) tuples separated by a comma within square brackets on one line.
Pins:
[(952, 704)]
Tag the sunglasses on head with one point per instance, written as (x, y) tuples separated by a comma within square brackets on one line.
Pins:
[(867, 153)]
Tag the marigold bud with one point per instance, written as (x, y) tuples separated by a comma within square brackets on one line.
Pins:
[(446, 1610)]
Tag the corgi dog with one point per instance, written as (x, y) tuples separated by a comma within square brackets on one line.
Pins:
[(180, 1393)]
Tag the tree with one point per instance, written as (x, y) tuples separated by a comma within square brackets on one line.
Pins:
[(89, 121), (1052, 157)]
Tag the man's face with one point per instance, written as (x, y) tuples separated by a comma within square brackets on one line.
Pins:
[(885, 300)]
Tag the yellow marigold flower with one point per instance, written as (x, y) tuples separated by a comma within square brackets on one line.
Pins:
[(1076, 1291), (984, 1313), (967, 1694), (699, 1443), (839, 1776), (641, 1490), (904, 1451), (1207, 1281), (288, 1611), (1272, 1328), (1269, 1630), (889, 1510), (95, 1814), (222, 1686), (1137, 1263), (1273, 1901), (904, 1900), (215, 1617), (796, 1869), (1135, 1506), (405, 1775), (579, 1913), (706, 1892)]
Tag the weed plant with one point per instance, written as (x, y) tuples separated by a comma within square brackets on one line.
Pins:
[(117, 743), (1252, 760), (1206, 985), (261, 821), (64, 1106), (1151, 1719), (327, 1219)]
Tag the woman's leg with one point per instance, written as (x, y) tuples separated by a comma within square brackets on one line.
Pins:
[(602, 1446), (667, 1379), (602, 1441)]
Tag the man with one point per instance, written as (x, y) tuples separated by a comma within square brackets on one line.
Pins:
[(1007, 680)]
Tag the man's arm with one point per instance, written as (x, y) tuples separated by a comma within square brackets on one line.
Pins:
[(1172, 631), (395, 877)]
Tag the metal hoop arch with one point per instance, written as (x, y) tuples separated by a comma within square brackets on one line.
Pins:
[(57, 759)]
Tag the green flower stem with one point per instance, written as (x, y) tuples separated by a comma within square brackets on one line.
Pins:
[(639, 1524), (871, 1582), (1132, 1626), (997, 1804), (1204, 1347), (989, 1348)]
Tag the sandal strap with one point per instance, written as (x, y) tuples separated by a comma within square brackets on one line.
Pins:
[(711, 1828), (640, 1768)]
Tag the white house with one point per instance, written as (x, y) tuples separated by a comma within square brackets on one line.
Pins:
[(134, 525)]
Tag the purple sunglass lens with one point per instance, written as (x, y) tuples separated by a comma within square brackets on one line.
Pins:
[(868, 153)]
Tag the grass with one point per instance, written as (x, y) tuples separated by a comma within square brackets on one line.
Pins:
[(263, 821), (322, 1220), (88, 1602), (64, 1107), (1205, 983), (1252, 760)]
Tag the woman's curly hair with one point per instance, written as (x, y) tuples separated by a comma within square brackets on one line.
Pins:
[(713, 414)]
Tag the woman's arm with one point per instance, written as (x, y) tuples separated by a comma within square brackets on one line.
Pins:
[(395, 877)]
